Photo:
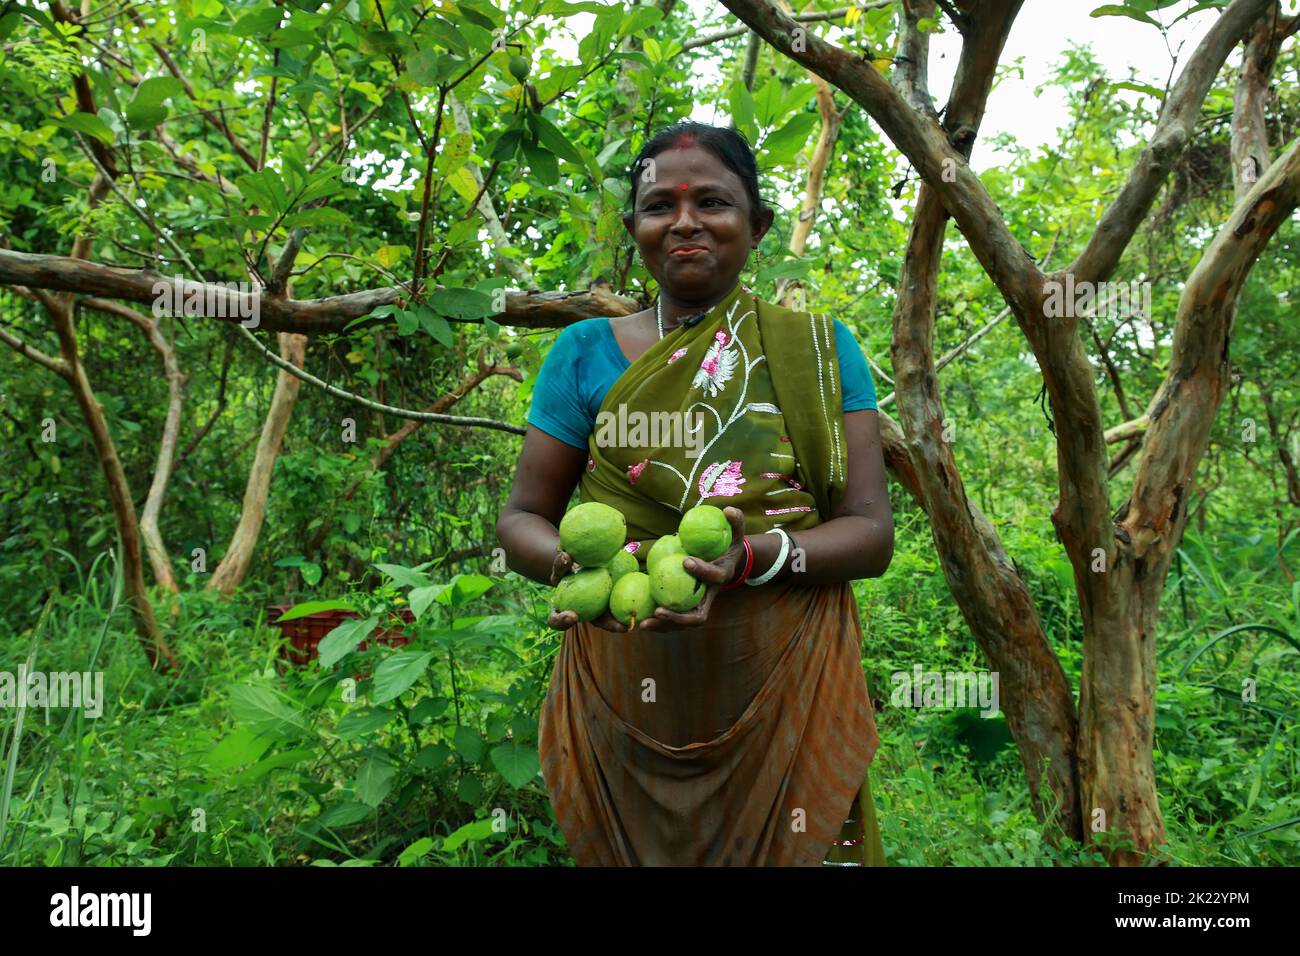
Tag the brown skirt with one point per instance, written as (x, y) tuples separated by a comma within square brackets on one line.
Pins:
[(742, 743)]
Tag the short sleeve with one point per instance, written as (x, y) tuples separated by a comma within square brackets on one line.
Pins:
[(855, 374), (557, 407)]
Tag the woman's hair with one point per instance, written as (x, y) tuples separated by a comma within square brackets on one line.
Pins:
[(727, 143)]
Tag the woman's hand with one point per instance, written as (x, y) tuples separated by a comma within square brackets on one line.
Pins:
[(563, 620), (716, 573)]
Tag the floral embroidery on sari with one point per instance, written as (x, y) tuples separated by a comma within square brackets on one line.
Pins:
[(718, 366), (721, 480), (634, 471), (676, 355)]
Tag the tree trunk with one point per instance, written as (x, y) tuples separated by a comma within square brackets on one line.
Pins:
[(159, 560), (1119, 592), (151, 636), (239, 555)]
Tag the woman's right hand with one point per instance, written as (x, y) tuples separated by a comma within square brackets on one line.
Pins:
[(563, 620)]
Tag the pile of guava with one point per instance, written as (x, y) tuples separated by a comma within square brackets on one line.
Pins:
[(610, 577)]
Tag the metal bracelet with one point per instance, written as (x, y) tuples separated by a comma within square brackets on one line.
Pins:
[(780, 559)]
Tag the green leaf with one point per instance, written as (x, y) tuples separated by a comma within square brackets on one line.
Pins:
[(397, 672), (87, 123), (549, 135), (265, 712), (1119, 10), (243, 745), (523, 727), (742, 111), (259, 23), (796, 99), (1207, 5), (542, 163), (422, 598), (275, 762), (428, 709), (363, 722), (422, 65), (517, 762), (322, 185), (432, 756), (468, 743), (415, 852), (290, 37), (478, 830), (1140, 88), (320, 216), (343, 640), (312, 607), (407, 322), (507, 144), (785, 143), (460, 303), (8, 23), (149, 98), (446, 32), (767, 102), (403, 576), (465, 588), (470, 789), (375, 781), (345, 814), (436, 326), (638, 18)]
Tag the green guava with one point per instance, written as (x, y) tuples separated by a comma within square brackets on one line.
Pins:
[(585, 592), (630, 601), (592, 533), (622, 563), (705, 532), (672, 586), (668, 544), (519, 67)]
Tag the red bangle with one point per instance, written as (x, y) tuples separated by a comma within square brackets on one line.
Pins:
[(749, 566)]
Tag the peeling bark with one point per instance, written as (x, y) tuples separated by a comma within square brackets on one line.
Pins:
[(239, 554), (1120, 604), (994, 600), (159, 560)]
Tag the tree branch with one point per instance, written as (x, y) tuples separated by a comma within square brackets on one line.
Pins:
[(1183, 409), (1173, 129), (529, 310)]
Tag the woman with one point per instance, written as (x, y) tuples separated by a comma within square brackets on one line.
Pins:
[(739, 733)]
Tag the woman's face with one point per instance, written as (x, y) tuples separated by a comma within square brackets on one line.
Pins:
[(694, 202)]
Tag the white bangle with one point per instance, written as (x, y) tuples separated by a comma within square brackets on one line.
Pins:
[(780, 560)]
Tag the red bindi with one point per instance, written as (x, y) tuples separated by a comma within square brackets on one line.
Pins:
[(682, 186)]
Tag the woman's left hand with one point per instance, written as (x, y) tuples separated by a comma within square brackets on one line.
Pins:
[(714, 574)]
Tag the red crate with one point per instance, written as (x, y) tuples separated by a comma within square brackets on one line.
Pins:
[(303, 635)]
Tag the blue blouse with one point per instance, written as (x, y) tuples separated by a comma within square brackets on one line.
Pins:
[(586, 361)]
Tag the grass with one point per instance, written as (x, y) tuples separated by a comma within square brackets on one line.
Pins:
[(241, 763)]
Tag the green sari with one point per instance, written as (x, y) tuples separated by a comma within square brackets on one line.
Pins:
[(765, 732)]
